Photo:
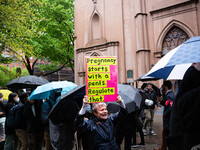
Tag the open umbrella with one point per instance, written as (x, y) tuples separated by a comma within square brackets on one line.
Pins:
[(67, 107), (131, 97), (43, 91), (147, 78), (160, 70), (30, 81), (5, 93), (188, 52), (175, 63)]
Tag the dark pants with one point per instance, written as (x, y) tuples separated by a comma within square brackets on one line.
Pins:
[(165, 134), (127, 142), (22, 139), (138, 127), (35, 141), (47, 141)]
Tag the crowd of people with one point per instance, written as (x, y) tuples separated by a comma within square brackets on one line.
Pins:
[(27, 125)]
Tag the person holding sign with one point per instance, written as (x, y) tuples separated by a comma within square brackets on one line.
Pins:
[(101, 126)]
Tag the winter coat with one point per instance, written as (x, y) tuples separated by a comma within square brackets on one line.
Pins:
[(102, 131), (20, 121), (8, 130), (152, 96), (45, 110), (61, 135), (167, 102), (34, 123), (185, 121), (126, 125)]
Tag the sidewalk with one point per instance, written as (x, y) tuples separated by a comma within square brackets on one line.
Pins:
[(153, 141)]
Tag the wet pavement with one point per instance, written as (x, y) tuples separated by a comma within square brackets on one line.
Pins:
[(153, 142)]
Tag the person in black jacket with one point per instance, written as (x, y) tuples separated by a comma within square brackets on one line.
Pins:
[(149, 109), (20, 122), (11, 138), (124, 130), (35, 128), (167, 102), (101, 126), (184, 120)]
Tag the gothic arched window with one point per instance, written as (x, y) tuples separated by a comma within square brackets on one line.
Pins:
[(174, 38), (96, 27)]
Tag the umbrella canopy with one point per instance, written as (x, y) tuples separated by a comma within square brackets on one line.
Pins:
[(188, 52), (30, 81), (162, 71), (67, 107), (43, 91), (175, 63), (5, 93), (147, 78), (131, 97)]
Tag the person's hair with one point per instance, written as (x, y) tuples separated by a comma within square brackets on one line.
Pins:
[(11, 97), (1, 95), (143, 86), (149, 84), (23, 96), (28, 92), (96, 105), (168, 84)]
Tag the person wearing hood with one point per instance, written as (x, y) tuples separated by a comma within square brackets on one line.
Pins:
[(101, 126), (184, 120)]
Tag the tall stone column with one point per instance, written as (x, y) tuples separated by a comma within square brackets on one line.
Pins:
[(143, 52)]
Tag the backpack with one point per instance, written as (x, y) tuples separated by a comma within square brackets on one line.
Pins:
[(11, 119)]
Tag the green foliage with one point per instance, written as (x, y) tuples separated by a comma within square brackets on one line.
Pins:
[(7, 75), (56, 41), (17, 25), (44, 67), (43, 29)]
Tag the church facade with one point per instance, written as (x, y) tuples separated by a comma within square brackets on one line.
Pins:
[(138, 32)]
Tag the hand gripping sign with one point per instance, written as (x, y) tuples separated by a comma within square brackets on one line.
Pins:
[(101, 79)]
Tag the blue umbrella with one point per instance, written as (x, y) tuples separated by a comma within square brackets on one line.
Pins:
[(175, 63), (43, 91), (188, 52)]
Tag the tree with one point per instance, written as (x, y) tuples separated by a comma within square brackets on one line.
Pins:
[(17, 28), (56, 42), (6, 75), (43, 29)]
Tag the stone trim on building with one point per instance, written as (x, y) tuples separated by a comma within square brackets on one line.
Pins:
[(96, 47)]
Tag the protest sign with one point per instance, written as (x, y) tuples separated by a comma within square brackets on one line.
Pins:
[(101, 79)]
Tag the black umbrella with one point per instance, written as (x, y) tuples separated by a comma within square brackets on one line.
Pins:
[(66, 109), (30, 81), (147, 78), (131, 97)]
